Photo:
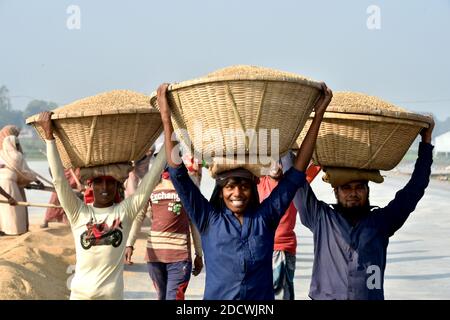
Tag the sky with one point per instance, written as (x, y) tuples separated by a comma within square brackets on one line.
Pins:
[(396, 50)]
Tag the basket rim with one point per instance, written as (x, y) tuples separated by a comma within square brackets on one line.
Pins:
[(390, 116), (245, 77), (93, 113), (238, 77)]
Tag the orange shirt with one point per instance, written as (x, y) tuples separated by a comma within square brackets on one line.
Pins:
[(285, 238)]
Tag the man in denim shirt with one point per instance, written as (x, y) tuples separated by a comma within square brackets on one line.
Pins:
[(237, 232), (351, 238)]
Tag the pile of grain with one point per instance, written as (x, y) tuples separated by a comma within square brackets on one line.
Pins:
[(34, 266), (247, 71), (359, 103), (113, 100)]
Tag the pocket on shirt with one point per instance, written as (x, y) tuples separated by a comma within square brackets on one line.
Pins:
[(261, 248)]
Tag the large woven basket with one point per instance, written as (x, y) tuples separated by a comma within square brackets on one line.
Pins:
[(112, 127), (241, 98), (364, 132)]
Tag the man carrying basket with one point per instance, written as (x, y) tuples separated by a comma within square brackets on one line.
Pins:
[(351, 237), (101, 229), (237, 231)]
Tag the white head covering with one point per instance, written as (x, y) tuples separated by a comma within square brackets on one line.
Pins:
[(14, 160)]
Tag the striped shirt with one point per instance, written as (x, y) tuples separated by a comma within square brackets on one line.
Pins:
[(169, 238)]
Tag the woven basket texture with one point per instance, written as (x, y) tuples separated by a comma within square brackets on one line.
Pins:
[(241, 99), (220, 164), (364, 132), (113, 127)]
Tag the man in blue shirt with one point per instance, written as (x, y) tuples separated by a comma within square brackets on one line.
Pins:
[(237, 232), (351, 237)]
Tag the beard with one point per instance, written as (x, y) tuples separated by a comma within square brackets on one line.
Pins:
[(353, 214)]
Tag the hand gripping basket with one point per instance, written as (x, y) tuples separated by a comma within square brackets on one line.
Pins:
[(112, 127), (364, 132), (217, 108)]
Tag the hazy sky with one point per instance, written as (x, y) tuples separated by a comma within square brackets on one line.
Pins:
[(138, 44)]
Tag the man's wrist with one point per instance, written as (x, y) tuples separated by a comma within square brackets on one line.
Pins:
[(426, 140)]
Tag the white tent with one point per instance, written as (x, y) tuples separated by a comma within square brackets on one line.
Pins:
[(442, 143)]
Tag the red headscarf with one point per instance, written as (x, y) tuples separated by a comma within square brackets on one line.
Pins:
[(89, 193)]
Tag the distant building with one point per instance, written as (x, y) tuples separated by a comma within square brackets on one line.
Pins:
[(442, 144)]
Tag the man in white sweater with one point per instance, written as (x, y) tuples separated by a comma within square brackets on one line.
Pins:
[(99, 252)]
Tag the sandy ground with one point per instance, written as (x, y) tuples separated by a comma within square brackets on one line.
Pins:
[(35, 265)]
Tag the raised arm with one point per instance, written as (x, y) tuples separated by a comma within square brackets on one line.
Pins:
[(136, 202), (306, 149), (164, 109), (195, 204), (71, 204), (394, 215), (283, 194)]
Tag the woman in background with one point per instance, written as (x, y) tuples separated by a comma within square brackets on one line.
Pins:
[(14, 176)]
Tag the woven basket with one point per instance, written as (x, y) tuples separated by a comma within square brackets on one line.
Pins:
[(241, 98), (113, 127), (364, 132), (219, 165)]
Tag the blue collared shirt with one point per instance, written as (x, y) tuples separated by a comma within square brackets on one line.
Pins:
[(238, 259), (349, 261)]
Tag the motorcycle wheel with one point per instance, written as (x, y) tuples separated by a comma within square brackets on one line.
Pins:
[(85, 242), (117, 238)]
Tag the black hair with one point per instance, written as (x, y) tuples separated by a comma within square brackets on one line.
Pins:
[(217, 201)]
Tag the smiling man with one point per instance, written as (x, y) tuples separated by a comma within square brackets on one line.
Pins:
[(237, 231), (100, 229), (351, 237)]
